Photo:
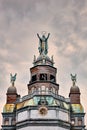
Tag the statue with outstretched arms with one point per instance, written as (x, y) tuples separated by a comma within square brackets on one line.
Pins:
[(43, 46)]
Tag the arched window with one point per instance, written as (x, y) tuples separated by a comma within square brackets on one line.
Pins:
[(52, 78), (53, 90), (13, 121), (46, 90), (39, 90), (79, 121), (33, 89), (43, 77), (56, 92), (34, 78), (6, 121), (43, 89)]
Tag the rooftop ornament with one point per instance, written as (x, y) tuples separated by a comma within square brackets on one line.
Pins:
[(43, 45), (73, 78), (13, 78)]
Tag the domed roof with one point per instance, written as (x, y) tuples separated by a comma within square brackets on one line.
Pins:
[(75, 89), (11, 90)]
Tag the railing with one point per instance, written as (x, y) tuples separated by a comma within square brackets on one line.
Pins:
[(45, 93)]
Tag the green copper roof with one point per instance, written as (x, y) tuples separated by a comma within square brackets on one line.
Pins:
[(77, 108)]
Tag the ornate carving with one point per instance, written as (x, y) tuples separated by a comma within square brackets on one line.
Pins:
[(43, 110)]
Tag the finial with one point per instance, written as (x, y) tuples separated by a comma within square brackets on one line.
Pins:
[(34, 58), (13, 78), (73, 78), (52, 59), (43, 45)]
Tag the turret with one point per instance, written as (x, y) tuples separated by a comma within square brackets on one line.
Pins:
[(8, 114), (77, 111), (74, 92)]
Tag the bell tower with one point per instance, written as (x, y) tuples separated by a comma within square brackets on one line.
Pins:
[(43, 74)]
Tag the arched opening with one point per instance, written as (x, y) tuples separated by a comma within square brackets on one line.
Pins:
[(6, 121), (43, 89), (34, 78), (13, 121), (52, 78), (43, 77)]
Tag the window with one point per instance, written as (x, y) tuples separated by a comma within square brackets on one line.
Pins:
[(46, 90), (13, 121), (39, 89), (56, 92), (79, 121), (34, 78), (6, 122), (43, 89), (43, 77), (53, 90), (52, 78), (33, 89)]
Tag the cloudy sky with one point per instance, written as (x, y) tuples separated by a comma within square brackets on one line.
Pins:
[(21, 20)]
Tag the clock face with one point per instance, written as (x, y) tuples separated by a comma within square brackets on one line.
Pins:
[(43, 111)]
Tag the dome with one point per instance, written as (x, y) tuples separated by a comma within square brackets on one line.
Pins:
[(77, 108), (11, 90), (75, 89)]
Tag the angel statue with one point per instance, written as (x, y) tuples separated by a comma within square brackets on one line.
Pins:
[(13, 78), (73, 78), (43, 46)]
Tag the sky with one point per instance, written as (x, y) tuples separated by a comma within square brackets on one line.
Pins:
[(65, 20)]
